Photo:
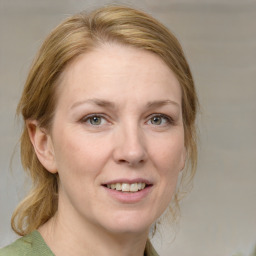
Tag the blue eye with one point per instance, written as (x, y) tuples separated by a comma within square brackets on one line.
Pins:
[(156, 120), (159, 120), (94, 120)]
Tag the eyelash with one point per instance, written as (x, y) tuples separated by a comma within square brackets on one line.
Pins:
[(168, 119), (87, 118)]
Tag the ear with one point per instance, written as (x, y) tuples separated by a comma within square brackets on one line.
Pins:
[(43, 145)]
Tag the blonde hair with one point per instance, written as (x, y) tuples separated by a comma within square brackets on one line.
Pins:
[(77, 35)]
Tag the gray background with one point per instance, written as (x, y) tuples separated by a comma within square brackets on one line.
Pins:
[(219, 38)]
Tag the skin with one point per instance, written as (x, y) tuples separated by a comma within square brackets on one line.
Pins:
[(126, 88)]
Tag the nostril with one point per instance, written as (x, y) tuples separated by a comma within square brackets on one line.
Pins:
[(129, 152), (130, 163)]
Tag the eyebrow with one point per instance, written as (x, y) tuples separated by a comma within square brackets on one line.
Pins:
[(109, 104), (98, 102), (160, 103)]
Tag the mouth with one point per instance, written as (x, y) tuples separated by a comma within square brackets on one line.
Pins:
[(127, 187), (129, 191)]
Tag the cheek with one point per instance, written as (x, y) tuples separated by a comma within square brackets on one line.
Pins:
[(169, 160), (169, 155), (76, 150), (80, 160), (77, 167)]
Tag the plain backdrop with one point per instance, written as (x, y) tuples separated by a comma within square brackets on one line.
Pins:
[(219, 39)]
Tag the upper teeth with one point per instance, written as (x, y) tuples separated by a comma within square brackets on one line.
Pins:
[(125, 187)]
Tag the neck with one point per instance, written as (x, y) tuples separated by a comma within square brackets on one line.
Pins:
[(90, 239)]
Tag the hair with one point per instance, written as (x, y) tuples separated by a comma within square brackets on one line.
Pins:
[(75, 36)]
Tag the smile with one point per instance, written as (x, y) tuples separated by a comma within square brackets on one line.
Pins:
[(127, 191), (126, 187)]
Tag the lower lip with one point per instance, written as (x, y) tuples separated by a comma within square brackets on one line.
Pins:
[(128, 197)]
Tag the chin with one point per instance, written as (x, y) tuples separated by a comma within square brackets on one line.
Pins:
[(130, 223)]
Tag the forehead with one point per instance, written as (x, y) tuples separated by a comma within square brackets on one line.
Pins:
[(112, 71)]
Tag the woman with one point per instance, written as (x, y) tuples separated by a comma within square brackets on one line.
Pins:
[(109, 108)]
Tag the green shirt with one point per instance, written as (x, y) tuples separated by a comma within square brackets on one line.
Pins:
[(34, 245), (29, 245)]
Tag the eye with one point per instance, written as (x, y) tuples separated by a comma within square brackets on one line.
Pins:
[(95, 120), (156, 120), (159, 120)]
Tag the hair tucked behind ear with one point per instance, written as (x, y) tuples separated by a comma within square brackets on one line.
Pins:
[(75, 36)]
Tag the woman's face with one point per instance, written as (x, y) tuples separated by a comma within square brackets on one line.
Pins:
[(117, 138)]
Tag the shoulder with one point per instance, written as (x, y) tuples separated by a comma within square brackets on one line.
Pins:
[(22, 246), (150, 251), (29, 245)]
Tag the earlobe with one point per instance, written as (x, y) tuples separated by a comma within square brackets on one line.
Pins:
[(42, 144)]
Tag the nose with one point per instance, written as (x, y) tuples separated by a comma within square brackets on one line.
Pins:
[(130, 146)]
